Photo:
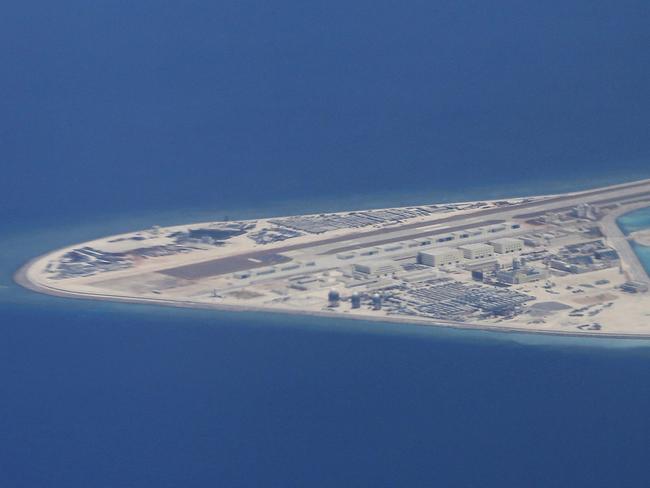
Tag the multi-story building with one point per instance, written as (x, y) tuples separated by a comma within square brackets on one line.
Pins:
[(442, 256), (507, 245), (477, 251)]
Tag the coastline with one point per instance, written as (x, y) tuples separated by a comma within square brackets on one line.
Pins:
[(22, 278)]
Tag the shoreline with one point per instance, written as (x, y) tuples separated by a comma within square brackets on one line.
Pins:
[(22, 278)]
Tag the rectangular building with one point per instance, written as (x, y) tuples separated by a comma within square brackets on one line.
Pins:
[(495, 229), (607, 254), (477, 251), (507, 245), (446, 238), (345, 255), (520, 276), (266, 271), (462, 235), (481, 265), (377, 268), (392, 247), (442, 256), (634, 287), (533, 241)]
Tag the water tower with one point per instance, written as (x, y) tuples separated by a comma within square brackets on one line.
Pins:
[(376, 301), (333, 297)]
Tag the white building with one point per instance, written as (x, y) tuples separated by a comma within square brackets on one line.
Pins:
[(266, 271), (520, 276), (370, 252), (424, 241), (377, 268), (476, 233), (392, 247), (462, 235), (507, 245), (477, 251), (446, 238), (346, 255), (442, 256)]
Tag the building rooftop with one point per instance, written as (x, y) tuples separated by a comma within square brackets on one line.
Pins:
[(476, 246), (438, 251), (505, 240)]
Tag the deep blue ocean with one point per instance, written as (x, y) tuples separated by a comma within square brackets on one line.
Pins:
[(118, 115)]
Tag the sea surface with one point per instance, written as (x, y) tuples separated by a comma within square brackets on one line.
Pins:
[(115, 116)]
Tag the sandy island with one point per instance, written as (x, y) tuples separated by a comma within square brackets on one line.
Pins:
[(555, 264)]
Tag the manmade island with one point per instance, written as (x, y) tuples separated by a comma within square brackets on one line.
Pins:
[(552, 264)]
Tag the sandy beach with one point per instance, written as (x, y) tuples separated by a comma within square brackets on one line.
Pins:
[(36, 274)]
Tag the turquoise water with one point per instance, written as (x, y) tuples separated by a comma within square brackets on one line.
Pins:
[(632, 222)]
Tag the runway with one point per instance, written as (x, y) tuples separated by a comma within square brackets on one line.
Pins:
[(257, 259)]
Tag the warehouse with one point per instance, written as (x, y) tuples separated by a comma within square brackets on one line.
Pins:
[(440, 257), (507, 245), (477, 251), (377, 268), (520, 276)]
